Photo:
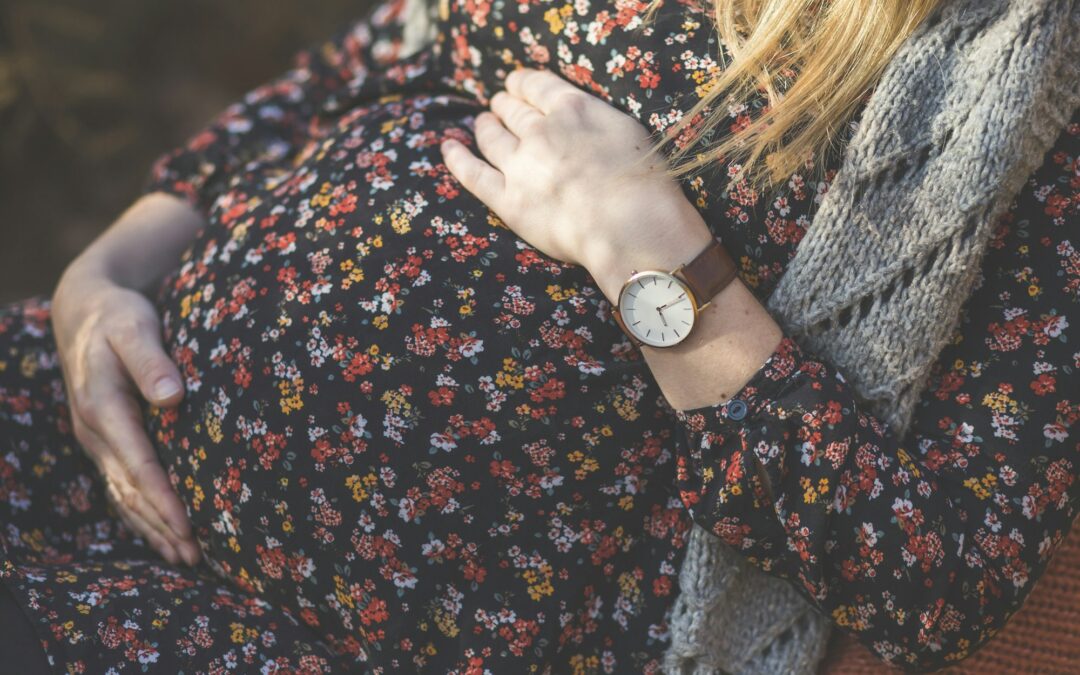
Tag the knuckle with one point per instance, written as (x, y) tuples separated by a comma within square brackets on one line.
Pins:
[(125, 331), (571, 102), (124, 495), (89, 407), (532, 123), (473, 173), (143, 469)]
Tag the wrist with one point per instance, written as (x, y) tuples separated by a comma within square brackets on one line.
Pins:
[(611, 262), (140, 246)]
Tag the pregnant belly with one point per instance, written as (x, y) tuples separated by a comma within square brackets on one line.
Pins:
[(402, 420)]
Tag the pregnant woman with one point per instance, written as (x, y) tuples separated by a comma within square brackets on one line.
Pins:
[(391, 367)]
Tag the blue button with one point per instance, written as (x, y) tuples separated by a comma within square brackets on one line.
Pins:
[(736, 409)]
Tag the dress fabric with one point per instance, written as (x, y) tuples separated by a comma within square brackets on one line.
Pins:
[(412, 442)]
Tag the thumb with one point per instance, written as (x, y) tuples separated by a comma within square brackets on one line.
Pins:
[(156, 376)]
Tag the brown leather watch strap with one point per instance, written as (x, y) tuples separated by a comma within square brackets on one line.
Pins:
[(708, 273)]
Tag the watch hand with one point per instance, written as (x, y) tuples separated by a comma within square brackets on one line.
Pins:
[(661, 313)]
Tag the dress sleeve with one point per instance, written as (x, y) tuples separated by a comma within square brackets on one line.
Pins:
[(920, 545), (274, 121)]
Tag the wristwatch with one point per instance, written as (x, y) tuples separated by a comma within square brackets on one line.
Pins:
[(659, 309)]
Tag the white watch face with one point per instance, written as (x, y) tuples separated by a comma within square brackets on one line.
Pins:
[(656, 307)]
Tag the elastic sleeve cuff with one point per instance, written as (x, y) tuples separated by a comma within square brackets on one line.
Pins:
[(768, 384), (164, 176)]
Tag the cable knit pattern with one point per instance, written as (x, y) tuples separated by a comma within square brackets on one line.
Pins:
[(961, 116)]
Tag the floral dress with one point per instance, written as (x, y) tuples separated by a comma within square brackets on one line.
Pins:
[(412, 442)]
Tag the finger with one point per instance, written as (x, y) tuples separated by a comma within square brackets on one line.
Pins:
[(134, 520), (131, 503), (119, 424), (138, 345), (117, 480), (537, 86), (518, 116), (478, 177), (494, 141)]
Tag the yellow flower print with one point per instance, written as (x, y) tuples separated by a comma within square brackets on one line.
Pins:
[(511, 375), (558, 293), (197, 494), (290, 395), (399, 220), (983, 487), (213, 428), (625, 408), (1001, 402), (908, 463), (361, 486), (241, 633), (555, 16), (391, 124), (341, 592), (324, 197), (539, 581), (445, 622), (581, 665), (395, 402)]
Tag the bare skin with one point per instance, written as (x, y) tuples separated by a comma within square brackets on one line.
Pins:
[(109, 341), (561, 171), (553, 150)]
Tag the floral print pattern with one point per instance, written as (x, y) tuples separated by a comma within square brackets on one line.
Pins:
[(410, 441), (921, 545)]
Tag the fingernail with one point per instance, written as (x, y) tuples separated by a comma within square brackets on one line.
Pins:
[(166, 387)]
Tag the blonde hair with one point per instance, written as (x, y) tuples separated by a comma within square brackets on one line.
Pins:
[(838, 48)]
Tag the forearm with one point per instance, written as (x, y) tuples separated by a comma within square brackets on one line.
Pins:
[(141, 245), (732, 337)]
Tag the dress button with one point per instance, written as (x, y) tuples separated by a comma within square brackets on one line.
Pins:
[(736, 409)]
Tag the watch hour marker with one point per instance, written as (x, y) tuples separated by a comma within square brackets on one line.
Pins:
[(686, 322), (676, 332)]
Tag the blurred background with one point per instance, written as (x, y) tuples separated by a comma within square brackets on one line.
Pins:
[(92, 92)]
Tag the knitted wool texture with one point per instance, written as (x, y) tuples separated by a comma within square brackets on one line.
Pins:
[(962, 115)]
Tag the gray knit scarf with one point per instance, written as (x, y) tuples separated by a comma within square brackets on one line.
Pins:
[(963, 114)]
